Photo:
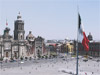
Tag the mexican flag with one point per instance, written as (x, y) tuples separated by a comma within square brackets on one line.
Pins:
[(81, 35)]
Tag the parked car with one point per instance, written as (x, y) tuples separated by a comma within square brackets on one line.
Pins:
[(85, 60), (12, 60)]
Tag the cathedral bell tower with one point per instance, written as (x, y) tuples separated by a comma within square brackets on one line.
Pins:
[(19, 28)]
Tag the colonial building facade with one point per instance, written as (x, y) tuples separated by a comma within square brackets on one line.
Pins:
[(19, 46), (94, 47)]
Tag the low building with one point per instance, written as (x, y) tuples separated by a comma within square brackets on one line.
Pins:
[(94, 48), (67, 48)]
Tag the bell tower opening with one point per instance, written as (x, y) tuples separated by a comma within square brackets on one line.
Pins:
[(21, 37)]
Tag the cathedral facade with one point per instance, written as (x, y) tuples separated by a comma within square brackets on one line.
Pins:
[(17, 46)]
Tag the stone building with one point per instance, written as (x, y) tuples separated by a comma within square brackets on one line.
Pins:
[(13, 47), (94, 47), (6, 44), (30, 43), (19, 46), (39, 47)]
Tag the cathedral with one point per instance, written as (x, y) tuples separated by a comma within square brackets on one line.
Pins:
[(19, 46)]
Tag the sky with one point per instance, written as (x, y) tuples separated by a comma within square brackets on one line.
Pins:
[(52, 19)]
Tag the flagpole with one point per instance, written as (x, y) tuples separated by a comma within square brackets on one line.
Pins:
[(77, 55), (77, 42)]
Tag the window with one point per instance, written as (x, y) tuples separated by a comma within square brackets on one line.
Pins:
[(21, 37), (6, 54)]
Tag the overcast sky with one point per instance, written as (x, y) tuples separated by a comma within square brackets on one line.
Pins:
[(52, 19)]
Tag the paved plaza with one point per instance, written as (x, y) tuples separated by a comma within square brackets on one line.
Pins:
[(55, 66)]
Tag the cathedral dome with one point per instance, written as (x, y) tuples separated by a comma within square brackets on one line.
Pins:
[(6, 34), (30, 36), (90, 37)]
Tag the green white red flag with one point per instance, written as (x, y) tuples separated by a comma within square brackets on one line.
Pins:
[(81, 35)]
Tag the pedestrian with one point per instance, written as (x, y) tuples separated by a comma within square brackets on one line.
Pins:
[(85, 73)]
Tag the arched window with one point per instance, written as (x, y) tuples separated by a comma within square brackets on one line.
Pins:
[(21, 37)]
